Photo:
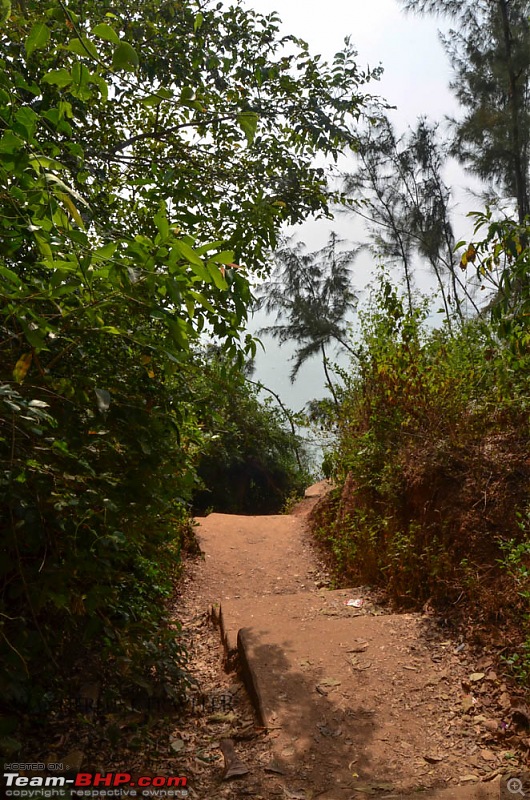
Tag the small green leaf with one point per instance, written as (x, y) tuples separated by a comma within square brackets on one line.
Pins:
[(58, 77), (43, 245), (199, 19), (38, 38), (162, 223), (155, 99), (102, 86), (67, 201), (248, 122), (224, 257), (82, 47), (111, 329), (11, 276), (9, 143), (65, 109), (26, 121), (43, 162), (203, 301), (104, 31), (210, 246), (187, 253), (151, 101), (59, 265), (61, 446), (217, 276), (125, 57), (58, 184), (179, 332), (105, 252), (5, 11)]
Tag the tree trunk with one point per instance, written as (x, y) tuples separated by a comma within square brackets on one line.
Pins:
[(328, 377)]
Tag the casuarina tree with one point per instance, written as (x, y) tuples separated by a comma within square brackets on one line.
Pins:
[(311, 295), (489, 51)]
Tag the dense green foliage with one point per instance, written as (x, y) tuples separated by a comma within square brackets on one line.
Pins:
[(431, 456), (433, 435), (149, 154), (251, 459)]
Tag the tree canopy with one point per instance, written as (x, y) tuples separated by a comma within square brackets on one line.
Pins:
[(489, 50), (311, 295), (149, 155), (149, 137), (398, 186)]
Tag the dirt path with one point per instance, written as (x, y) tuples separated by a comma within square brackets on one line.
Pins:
[(351, 701)]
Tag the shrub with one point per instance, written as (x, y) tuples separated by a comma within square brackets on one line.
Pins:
[(432, 457)]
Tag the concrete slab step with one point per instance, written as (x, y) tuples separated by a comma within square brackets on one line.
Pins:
[(348, 697)]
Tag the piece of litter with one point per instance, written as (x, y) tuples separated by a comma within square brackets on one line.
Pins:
[(459, 648), (177, 745), (355, 603)]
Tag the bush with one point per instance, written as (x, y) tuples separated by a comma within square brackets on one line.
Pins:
[(92, 494), (432, 460), (250, 462)]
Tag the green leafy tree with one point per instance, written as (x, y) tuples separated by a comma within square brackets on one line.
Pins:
[(489, 50), (250, 462), (149, 154), (211, 111), (500, 257)]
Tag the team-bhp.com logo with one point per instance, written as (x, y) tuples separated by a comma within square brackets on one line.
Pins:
[(94, 784)]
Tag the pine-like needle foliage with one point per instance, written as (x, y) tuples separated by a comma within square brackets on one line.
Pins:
[(311, 296), (489, 50), (399, 188)]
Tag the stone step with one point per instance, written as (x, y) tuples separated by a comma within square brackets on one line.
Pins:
[(348, 694)]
